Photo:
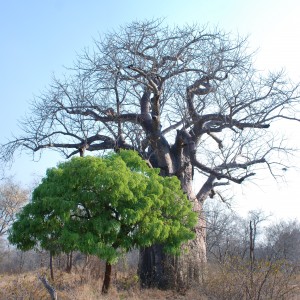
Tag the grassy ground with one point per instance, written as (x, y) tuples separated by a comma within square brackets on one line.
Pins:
[(76, 287), (84, 283)]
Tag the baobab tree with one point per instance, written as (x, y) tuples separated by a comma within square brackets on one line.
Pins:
[(188, 99)]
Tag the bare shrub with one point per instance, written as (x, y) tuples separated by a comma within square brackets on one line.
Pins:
[(21, 286), (70, 287), (237, 279), (16, 261)]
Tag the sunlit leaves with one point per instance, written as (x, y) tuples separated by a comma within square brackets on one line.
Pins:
[(104, 206)]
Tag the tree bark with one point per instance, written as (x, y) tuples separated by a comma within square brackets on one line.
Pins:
[(107, 278), (188, 269), (69, 262), (51, 266), (151, 267), (157, 269), (51, 290)]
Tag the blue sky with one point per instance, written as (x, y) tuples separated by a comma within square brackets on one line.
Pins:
[(38, 38)]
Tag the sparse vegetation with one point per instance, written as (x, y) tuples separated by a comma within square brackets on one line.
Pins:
[(234, 276), (246, 260), (230, 281), (84, 282), (238, 279)]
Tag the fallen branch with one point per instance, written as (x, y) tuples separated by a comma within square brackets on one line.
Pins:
[(49, 287)]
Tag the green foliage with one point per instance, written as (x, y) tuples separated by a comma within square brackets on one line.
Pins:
[(104, 206)]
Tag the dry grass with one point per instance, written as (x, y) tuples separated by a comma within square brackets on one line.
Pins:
[(229, 282), (236, 280), (75, 287)]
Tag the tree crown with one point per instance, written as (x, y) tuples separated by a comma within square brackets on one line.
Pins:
[(183, 97), (103, 206)]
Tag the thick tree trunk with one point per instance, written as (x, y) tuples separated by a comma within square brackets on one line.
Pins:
[(188, 269), (151, 267), (157, 269), (107, 278)]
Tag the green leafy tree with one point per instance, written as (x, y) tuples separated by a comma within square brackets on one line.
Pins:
[(38, 225), (105, 207)]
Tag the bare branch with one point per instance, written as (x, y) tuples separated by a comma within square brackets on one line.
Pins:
[(184, 98)]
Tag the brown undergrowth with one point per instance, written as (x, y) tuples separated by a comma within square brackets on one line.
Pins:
[(77, 287), (239, 280), (235, 279)]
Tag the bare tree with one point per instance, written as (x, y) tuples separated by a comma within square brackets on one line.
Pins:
[(12, 198), (186, 98), (283, 241), (230, 236), (226, 233)]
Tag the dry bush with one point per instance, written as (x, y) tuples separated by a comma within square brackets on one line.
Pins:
[(235, 279), (14, 261), (238, 279), (70, 287), (21, 286), (84, 282)]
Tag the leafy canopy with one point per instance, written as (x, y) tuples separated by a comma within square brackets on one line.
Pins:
[(104, 206)]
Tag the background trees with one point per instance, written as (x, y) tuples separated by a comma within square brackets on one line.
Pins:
[(187, 99), (248, 258), (105, 207), (273, 277), (226, 233), (12, 198), (283, 241)]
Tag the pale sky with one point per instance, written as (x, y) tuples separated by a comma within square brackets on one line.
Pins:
[(38, 38)]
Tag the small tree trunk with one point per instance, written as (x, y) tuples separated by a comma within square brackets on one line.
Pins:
[(156, 269), (107, 278), (51, 266), (69, 262), (251, 250)]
